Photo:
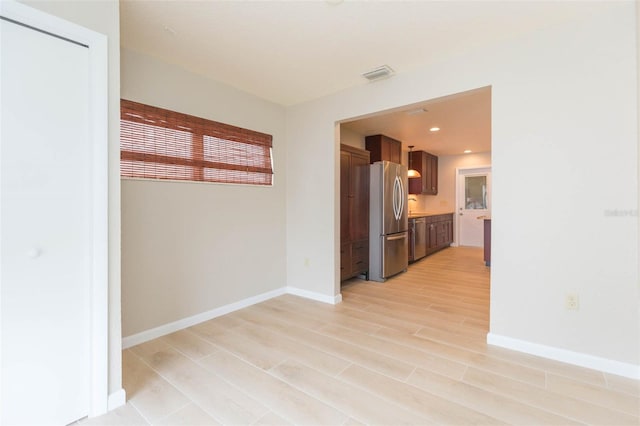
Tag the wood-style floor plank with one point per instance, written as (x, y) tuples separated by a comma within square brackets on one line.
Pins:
[(573, 408), (360, 404), (286, 401), (411, 350), (433, 407)]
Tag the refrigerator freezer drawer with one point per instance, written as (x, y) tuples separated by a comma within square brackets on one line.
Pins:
[(396, 253)]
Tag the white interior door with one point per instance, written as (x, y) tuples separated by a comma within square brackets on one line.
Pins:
[(45, 227), (474, 205)]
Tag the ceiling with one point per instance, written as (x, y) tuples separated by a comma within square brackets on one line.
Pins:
[(464, 120), (294, 51), (290, 52)]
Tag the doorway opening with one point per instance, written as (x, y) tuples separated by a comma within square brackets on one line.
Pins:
[(457, 130)]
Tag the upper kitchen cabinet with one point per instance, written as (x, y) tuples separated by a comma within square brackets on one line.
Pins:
[(383, 148), (427, 165)]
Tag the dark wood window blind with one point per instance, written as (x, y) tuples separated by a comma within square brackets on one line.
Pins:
[(156, 143)]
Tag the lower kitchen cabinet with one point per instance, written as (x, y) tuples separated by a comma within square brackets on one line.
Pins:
[(487, 242), (439, 233), (432, 240), (354, 259)]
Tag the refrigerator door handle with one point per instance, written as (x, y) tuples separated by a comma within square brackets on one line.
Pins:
[(394, 198), (398, 198), (397, 237), (402, 197)]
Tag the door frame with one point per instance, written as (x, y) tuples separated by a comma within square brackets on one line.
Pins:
[(98, 116), (456, 222)]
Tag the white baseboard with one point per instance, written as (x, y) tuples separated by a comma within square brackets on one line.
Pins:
[(570, 357), (116, 399), (172, 327), (333, 300)]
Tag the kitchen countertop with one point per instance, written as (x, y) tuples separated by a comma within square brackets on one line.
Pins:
[(416, 215)]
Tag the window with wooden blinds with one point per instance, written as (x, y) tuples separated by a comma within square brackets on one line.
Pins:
[(156, 143)]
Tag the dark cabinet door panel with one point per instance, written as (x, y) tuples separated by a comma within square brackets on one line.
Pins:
[(427, 165), (439, 232), (345, 176), (354, 212), (383, 148)]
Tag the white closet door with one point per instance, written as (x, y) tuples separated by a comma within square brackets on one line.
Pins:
[(45, 227)]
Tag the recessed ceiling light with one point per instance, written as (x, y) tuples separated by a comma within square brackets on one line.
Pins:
[(467, 151), (434, 129)]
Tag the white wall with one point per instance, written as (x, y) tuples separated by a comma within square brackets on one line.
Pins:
[(580, 159), (104, 17), (565, 139), (188, 248)]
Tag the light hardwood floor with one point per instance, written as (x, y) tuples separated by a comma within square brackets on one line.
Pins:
[(409, 351)]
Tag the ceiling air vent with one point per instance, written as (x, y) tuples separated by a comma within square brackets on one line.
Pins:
[(379, 73)]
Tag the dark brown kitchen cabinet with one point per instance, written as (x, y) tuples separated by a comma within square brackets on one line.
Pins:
[(487, 242), (427, 165), (354, 212), (432, 240), (439, 232), (383, 148)]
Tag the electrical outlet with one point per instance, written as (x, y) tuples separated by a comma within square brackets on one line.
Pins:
[(571, 302)]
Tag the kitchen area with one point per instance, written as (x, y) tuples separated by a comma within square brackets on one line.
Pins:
[(380, 233), (387, 223)]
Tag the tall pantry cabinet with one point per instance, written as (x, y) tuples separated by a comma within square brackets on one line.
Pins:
[(354, 212)]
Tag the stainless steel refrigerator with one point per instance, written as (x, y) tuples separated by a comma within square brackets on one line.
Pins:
[(388, 226)]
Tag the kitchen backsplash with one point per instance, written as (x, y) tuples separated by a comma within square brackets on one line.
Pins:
[(430, 203)]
